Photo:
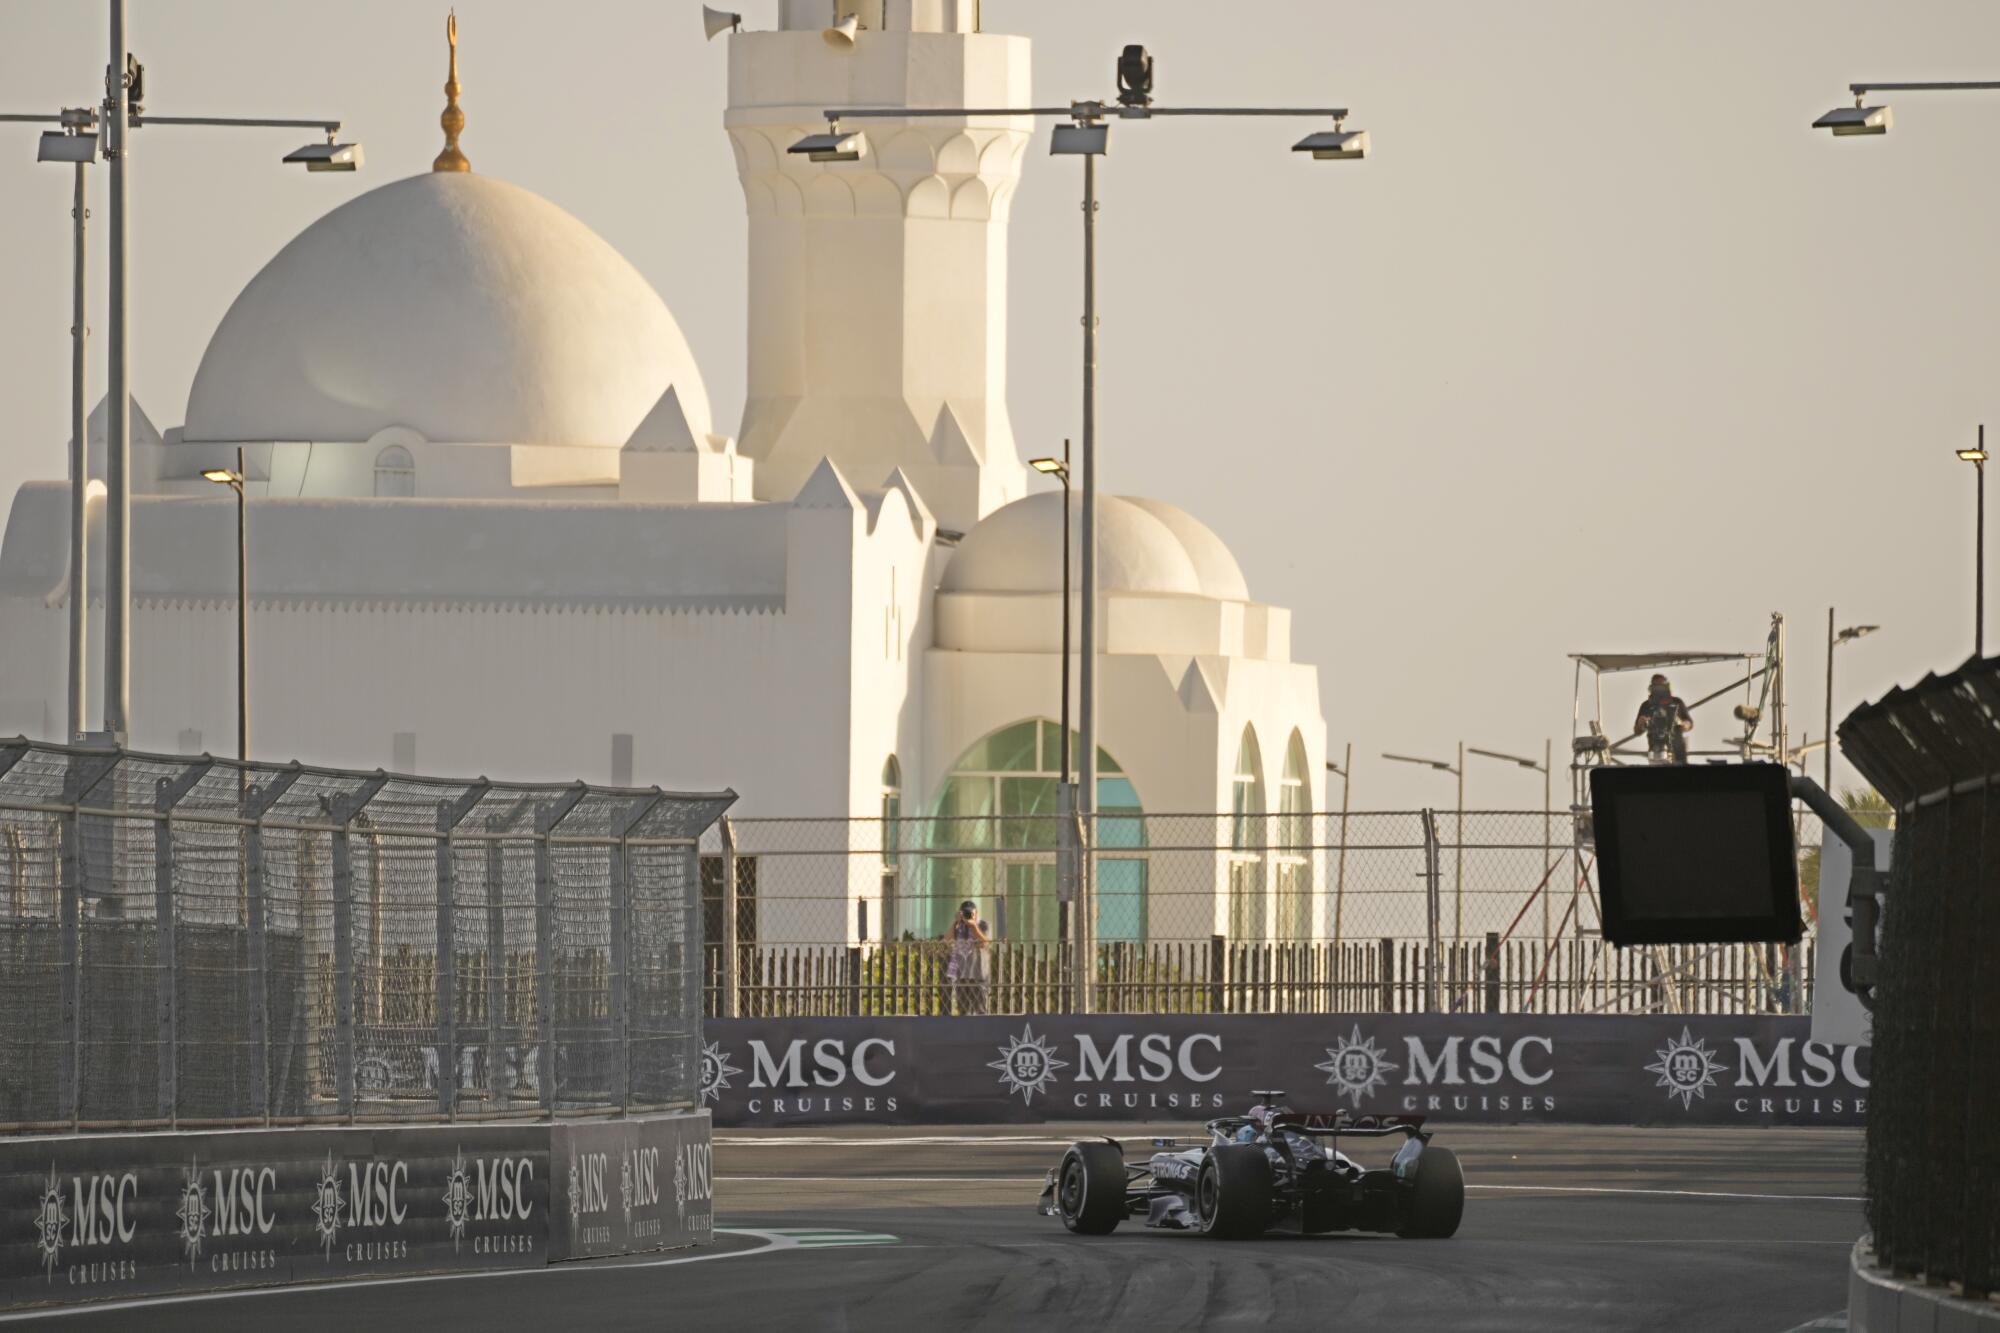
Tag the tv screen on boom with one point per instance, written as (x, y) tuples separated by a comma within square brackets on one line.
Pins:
[(1697, 855)]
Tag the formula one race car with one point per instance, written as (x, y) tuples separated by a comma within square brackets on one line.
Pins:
[(1274, 1169)]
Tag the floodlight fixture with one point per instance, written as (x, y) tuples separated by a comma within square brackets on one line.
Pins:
[(1513, 759), (221, 476), (1081, 140), (835, 145), (1853, 632), (61, 146), (1053, 467), (842, 33), (1973, 455), (1335, 145), (328, 156), (1847, 121), (1135, 76), (1439, 764), (715, 21)]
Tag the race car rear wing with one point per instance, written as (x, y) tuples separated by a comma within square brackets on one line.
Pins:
[(1344, 1122)]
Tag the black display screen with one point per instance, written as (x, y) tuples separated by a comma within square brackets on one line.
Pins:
[(1696, 855)]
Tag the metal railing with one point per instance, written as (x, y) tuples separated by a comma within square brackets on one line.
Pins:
[(197, 942), (1292, 913)]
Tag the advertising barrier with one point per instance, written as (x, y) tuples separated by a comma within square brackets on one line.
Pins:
[(97, 1216), (1472, 1068)]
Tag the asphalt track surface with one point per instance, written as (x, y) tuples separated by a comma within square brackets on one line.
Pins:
[(913, 1230)]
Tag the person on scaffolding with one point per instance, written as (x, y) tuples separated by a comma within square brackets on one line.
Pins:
[(1665, 719)]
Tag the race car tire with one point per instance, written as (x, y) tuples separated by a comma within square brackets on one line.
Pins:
[(1090, 1189), (1233, 1191), (1437, 1197)]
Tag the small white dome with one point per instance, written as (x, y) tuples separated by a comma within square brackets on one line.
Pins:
[(464, 308), (1142, 546)]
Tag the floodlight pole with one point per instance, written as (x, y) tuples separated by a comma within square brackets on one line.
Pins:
[(1084, 113), (118, 409), (79, 471), (113, 121)]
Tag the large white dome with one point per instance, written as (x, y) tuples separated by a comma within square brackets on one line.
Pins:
[(459, 306), (1143, 545)]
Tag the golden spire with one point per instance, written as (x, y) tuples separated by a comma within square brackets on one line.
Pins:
[(453, 120)]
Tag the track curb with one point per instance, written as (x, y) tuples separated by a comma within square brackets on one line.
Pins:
[(1880, 1302)]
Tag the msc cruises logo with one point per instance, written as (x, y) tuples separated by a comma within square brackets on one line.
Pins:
[(1027, 1064), (1687, 1068), (458, 1197), (715, 1071), (326, 1206), (193, 1213), (50, 1223), (1356, 1066)]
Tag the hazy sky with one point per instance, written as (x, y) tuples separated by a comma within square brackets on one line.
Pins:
[(1603, 349)]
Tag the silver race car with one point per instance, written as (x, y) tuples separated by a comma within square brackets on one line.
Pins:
[(1274, 1169)]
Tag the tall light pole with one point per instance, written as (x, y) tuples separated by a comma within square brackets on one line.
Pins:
[(112, 123), (1835, 640), (234, 481), (1065, 794), (1086, 136), (1977, 457), (1547, 769), (1458, 867), (1345, 768)]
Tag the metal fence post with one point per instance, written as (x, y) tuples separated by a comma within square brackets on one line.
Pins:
[(1492, 971), (1431, 894), (496, 959), (726, 968), (1218, 968), (343, 963), (260, 963), (1387, 967), (545, 962), (619, 981), (449, 815), (69, 972), (446, 972), (168, 793)]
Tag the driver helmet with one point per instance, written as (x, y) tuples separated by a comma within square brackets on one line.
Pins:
[(1246, 1134)]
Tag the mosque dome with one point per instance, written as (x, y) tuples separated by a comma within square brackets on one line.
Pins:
[(1143, 545), (452, 304)]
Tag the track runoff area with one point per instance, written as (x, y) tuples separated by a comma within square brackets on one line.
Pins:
[(1565, 1227)]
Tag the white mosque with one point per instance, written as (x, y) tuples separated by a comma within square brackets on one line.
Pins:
[(494, 529)]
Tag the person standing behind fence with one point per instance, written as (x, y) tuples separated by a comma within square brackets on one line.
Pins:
[(966, 970)]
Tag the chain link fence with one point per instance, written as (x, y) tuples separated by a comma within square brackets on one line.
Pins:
[(1417, 911), (197, 942)]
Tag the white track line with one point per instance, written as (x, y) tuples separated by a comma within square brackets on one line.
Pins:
[(826, 1141), (1525, 1189), (773, 1242), (1691, 1194)]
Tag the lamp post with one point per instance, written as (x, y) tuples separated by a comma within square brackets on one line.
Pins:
[(1458, 825), (1065, 794), (234, 481), (1086, 136), (1345, 768), (112, 123), (1833, 641), (1547, 769), (1977, 457)]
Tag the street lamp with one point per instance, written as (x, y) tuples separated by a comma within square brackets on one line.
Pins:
[(1547, 769), (111, 125), (1065, 794), (234, 481), (1835, 640), (1086, 136), (1345, 768), (1977, 457), (1458, 835)]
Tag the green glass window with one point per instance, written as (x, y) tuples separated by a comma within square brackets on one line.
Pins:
[(997, 828)]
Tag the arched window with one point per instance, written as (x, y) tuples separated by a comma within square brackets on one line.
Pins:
[(395, 473), (997, 832), (892, 834), (1291, 852), (1249, 915)]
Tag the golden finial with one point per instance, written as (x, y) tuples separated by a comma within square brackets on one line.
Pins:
[(453, 120)]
